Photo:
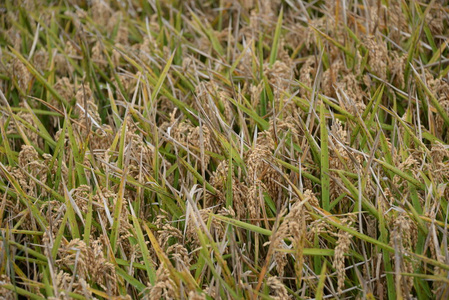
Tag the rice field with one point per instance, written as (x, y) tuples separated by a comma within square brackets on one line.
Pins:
[(226, 149)]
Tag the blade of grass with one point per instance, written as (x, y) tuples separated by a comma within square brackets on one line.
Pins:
[(325, 181)]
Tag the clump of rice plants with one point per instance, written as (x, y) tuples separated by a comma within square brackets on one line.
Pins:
[(227, 149)]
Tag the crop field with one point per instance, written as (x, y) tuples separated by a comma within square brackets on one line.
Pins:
[(227, 149)]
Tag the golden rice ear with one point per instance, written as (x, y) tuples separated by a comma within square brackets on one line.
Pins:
[(27, 155), (165, 287), (280, 76), (378, 55), (294, 228), (277, 288), (101, 12), (40, 60), (343, 243), (21, 74), (403, 237), (439, 121), (195, 295), (437, 19), (62, 66), (7, 293), (98, 55), (91, 263), (66, 89), (217, 228)]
